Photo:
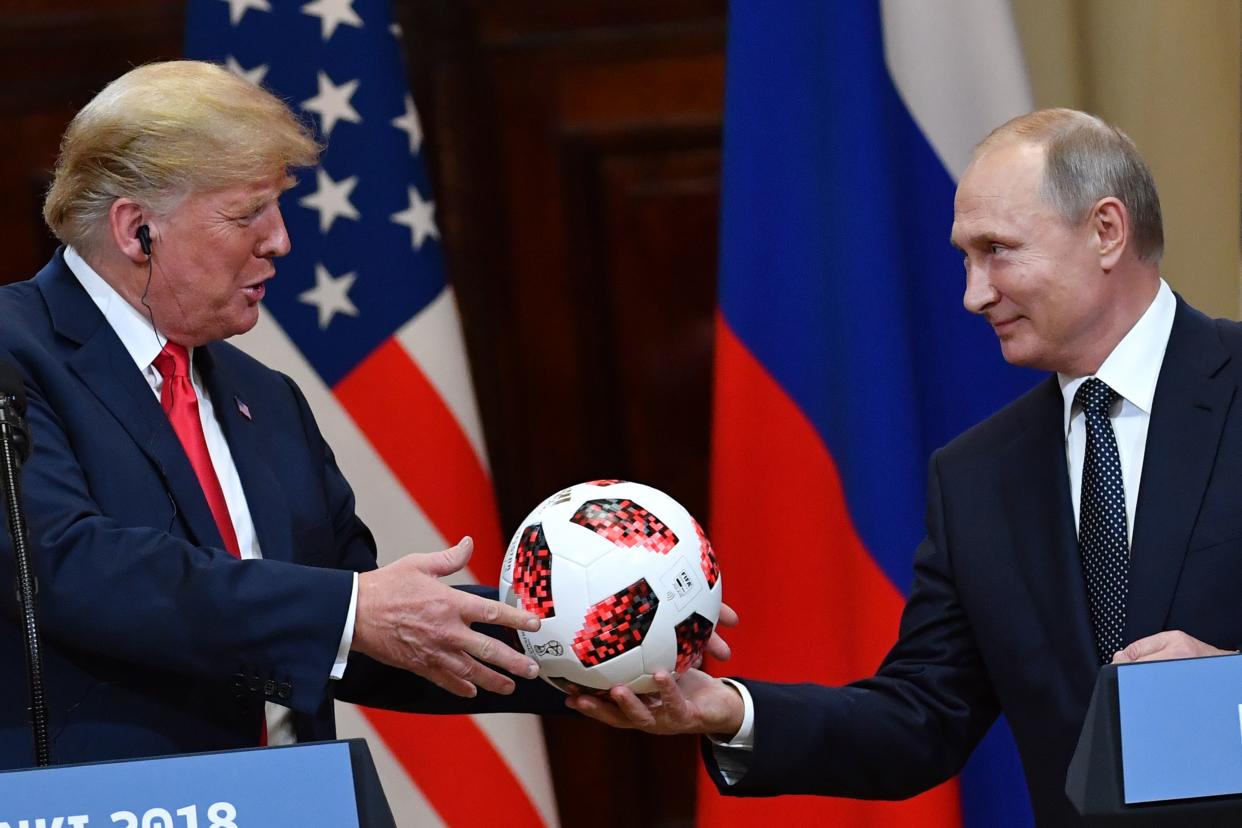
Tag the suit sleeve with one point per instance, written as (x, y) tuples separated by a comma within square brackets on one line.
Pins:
[(901, 732)]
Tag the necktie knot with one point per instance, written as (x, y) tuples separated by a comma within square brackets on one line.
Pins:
[(1095, 396), (173, 361)]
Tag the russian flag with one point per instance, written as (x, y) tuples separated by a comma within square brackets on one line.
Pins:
[(844, 356)]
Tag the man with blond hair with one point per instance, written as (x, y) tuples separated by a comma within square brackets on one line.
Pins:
[(204, 582), (1044, 557)]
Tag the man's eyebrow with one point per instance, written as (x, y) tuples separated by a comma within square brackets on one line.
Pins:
[(255, 202)]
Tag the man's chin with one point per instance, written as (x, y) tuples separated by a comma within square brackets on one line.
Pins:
[(1019, 353), (244, 324)]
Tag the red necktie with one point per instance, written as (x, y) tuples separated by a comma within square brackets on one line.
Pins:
[(180, 403)]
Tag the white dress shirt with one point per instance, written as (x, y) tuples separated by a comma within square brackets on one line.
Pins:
[(144, 343), (1131, 370)]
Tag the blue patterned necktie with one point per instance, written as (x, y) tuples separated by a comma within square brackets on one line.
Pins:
[(1102, 539)]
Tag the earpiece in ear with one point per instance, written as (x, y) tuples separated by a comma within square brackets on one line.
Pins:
[(144, 239)]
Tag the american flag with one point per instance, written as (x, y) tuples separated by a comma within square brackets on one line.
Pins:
[(362, 318)]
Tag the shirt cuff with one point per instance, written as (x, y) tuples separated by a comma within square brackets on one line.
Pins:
[(347, 635), (744, 739), (733, 757)]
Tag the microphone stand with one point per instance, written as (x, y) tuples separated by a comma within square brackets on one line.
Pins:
[(14, 448)]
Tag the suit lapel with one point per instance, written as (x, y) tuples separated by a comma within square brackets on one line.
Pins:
[(1037, 507), (1193, 397), (106, 368), (269, 512)]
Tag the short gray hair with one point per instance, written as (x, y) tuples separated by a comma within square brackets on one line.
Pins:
[(1085, 160)]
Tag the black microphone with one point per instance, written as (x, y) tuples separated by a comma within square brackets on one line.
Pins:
[(13, 411), (15, 450)]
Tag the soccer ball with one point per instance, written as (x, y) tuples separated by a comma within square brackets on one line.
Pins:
[(624, 579)]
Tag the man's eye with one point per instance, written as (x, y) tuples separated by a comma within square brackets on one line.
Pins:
[(997, 248)]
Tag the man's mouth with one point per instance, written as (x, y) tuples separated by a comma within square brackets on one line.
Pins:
[(255, 292)]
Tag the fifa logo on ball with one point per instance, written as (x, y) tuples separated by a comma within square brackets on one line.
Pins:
[(621, 571)]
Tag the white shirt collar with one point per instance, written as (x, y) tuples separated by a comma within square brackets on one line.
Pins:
[(137, 334), (1134, 365)]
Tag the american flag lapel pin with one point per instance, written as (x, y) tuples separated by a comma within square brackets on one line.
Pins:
[(243, 408)]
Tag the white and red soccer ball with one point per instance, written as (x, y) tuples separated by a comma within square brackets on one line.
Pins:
[(624, 580)]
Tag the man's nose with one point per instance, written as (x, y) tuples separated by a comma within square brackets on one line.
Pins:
[(980, 294), (276, 241)]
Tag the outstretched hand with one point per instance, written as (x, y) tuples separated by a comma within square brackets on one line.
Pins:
[(406, 617), (694, 702), (689, 702)]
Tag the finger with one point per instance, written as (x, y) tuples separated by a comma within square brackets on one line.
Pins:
[(728, 616), (671, 696), (466, 669), (490, 680), (449, 679), (493, 651), (718, 648), (1141, 649), (447, 561), (632, 707), (484, 610)]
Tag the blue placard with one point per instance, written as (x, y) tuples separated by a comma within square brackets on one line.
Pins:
[(273, 787), (1181, 728)]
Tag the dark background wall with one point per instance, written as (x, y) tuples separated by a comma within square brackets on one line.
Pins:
[(575, 149)]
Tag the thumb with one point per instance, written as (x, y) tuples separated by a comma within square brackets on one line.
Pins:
[(1140, 649), (448, 561)]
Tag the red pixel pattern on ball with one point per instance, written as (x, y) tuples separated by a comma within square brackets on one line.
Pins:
[(707, 556), (625, 523), (617, 624), (532, 572), (604, 482), (692, 635)]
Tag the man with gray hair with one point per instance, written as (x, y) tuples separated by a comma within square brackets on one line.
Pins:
[(204, 581), (1044, 557)]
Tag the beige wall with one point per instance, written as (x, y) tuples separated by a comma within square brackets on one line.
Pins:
[(1169, 73)]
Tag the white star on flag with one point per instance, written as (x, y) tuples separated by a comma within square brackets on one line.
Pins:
[(409, 124), (237, 8), (330, 295), (331, 199), (332, 103), (332, 13), (255, 75), (419, 217)]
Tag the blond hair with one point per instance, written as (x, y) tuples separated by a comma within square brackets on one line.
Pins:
[(163, 131), (1086, 159)]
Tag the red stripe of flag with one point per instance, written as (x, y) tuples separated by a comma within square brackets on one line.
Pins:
[(814, 605), (457, 769), (421, 442)]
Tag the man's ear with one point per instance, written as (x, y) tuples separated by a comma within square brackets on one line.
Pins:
[(125, 216), (1111, 223)]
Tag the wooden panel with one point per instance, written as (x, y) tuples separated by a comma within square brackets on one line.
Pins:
[(53, 57)]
